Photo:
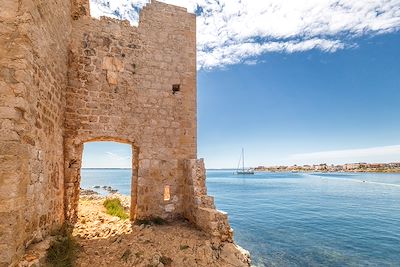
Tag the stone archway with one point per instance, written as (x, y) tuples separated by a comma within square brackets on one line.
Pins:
[(73, 162)]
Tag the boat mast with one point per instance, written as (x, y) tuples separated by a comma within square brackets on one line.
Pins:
[(243, 157), (238, 166)]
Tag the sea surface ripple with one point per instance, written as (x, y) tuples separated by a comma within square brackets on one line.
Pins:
[(295, 219)]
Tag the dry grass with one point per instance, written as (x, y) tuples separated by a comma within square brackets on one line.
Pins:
[(62, 251)]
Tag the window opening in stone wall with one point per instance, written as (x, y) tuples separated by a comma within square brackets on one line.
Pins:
[(106, 179), (176, 88), (167, 195)]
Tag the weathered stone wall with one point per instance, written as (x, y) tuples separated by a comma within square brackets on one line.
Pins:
[(199, 208), (34, 36), (121, 81), (67, 79), (80, 8)]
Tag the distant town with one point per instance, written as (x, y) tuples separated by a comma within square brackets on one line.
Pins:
[(353, 167)]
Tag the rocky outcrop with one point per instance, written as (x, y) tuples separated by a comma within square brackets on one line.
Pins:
[(109, 241), (199, 207), (106, 240)]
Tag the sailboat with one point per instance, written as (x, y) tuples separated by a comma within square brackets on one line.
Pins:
[(243, 170)]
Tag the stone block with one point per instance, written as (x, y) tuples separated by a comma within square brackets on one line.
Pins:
[(9, 9), (112, 77)]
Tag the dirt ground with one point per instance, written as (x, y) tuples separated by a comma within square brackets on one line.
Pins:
[(106, 240)]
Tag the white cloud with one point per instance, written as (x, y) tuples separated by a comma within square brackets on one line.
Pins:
[(115, 157), (235, 31), (382, 154)]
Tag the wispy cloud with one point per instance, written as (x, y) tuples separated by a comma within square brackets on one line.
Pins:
[(237, 31), (354, 155), (116, 157)]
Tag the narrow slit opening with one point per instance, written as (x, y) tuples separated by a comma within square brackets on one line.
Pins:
[(167, 195)]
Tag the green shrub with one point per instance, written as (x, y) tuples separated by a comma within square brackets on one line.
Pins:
[(62, 252), (115, 208), (183, 247)]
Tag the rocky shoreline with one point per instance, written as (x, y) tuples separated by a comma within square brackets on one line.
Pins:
[(106, 240)]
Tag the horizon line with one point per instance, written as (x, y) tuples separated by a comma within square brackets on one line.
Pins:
[(282, 165)]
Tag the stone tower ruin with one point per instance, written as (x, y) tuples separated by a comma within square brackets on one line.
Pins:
[(67, 79)]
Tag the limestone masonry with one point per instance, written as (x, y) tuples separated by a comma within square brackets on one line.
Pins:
[(67, 79)]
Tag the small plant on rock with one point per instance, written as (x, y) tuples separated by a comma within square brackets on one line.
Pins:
[(62, 251), (115, 208), (183, 247)]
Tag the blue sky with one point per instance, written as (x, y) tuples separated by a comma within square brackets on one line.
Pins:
[(107, 155), (298, 86), (303, 103)]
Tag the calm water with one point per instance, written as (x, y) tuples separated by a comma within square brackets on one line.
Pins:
[(293, 219), (116, 178)]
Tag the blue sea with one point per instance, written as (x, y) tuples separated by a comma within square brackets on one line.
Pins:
[(296, 219)]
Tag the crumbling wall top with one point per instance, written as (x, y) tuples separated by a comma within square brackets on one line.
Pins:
[(80, 8)]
